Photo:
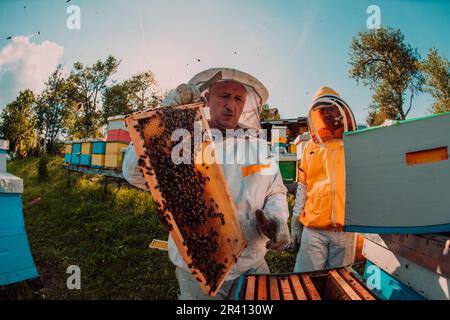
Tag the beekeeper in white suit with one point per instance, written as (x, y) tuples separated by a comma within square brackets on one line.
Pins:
[(259, 195)]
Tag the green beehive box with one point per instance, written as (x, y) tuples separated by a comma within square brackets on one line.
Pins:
[(288, 164)]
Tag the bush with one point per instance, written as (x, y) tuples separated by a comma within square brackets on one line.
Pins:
[(42, 167)]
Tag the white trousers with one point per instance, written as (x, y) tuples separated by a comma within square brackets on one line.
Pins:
[(322, 249)]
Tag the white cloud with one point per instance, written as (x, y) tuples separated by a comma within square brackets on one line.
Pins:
[(26, 65)]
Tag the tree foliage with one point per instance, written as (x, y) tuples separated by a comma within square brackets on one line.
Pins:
[(269, 114), (436, 69), (54, 109), (18, 122), (135, 94), (381, 60), (88, 83)]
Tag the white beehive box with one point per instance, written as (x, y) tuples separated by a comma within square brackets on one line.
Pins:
[(398, 177)]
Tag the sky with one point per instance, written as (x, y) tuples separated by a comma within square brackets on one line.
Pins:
[(292, 46)]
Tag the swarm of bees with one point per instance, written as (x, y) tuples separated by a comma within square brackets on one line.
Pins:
[(182, 189)]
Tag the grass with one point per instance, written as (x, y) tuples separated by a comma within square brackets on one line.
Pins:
[(107, 238)]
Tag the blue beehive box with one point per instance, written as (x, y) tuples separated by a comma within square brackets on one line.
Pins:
[(75, 159), (389, 287), (85, 159), (16, 261), (76, 148), (98, 147), (67, 157)]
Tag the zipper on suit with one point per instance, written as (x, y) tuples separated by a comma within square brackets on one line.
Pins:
[(332, 188)]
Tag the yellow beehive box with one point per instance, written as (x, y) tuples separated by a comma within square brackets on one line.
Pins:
[(98, 160), (114, 148), (68, 148), (86, 148), (113, 161), (292, 148)]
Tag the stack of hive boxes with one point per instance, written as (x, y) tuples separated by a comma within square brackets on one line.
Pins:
[(114, 154), (117, 131), (98, 153), (279, 138), (76, 153), (117, 139), (4, 146), (16, 261), (86, 152), (68, 153)]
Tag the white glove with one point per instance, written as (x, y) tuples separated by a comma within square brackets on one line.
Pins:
[(183, 94), (275, 229), (296, 227)]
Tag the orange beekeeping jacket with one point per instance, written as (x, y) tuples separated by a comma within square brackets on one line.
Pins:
[(322, 171)]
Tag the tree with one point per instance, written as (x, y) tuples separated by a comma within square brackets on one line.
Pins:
[(18, 122), (143, 91), (135, 94), (87, 84), (115, 102), (436, 69), (381, 60), (54, 110), (269, 114)]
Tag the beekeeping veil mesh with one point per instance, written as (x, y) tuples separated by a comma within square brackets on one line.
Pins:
[(257, 93)]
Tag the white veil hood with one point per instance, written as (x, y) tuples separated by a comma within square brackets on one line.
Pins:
[(257, 93)]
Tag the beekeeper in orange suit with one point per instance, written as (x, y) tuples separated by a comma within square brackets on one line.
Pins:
[(319, 210)]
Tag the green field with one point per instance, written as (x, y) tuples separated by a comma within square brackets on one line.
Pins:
[(107, 237)]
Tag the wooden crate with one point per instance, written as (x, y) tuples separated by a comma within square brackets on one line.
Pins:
[(336, 284), (230, 239)]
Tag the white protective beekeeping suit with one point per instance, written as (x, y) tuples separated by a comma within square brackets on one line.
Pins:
[(254, 182)]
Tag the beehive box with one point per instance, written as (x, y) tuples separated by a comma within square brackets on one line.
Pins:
[(118, 135), (337, 284), (68, 148), (116, 122), (75, 158), (193, 200), (113, 161), (76, 147), (98, 160), (85, 160), (98, 147), (16, 261), (397, 177), (4, 144), (86, 147), (115, 148)]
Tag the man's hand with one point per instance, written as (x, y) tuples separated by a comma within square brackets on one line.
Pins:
[(275, 229), (296, 233), (183, 94)]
